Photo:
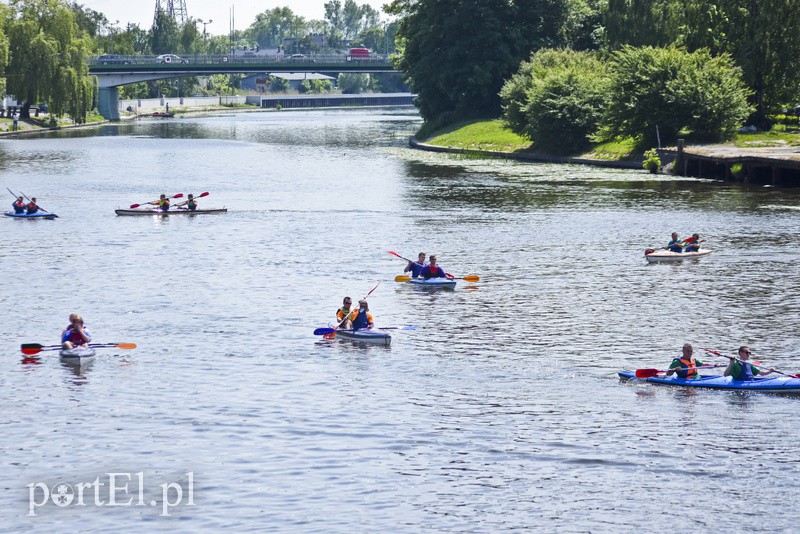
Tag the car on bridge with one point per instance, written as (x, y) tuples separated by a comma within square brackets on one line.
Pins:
[(112, 59), (171, 58)]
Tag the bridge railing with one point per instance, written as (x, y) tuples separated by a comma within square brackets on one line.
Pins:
[(238, 59)]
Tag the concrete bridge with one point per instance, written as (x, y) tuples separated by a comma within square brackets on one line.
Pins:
[(112, 71)]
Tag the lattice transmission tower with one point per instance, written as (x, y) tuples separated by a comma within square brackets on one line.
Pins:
[(174, 8)]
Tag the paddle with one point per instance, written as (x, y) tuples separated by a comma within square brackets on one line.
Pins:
[(330, 334), (201, 195), (325, 331), (468, 278), (649, 373), (393, 253), (134, 206), (35, 348), (717, 353)]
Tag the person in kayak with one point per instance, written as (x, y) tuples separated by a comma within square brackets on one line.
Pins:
[(686, 365), (19, 205), (75, 334), (32, 207), (740, 369), (432, 270), (416, 266), (191, 203), (162, 203), (362, 318), (676, 245), (692, 244), (342, 314)]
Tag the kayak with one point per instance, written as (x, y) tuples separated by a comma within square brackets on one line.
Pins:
[(366, 335), (668, 255), (77, 355), (433, 282), (782, 384), (36, 215), (170, 212)]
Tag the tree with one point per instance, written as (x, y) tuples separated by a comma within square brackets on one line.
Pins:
[(272, 26), (164, 34), (48, 55), (353, 82), (457, 53), (350, 19)]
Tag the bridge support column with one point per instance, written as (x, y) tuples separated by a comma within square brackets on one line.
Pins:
[(108, 103)]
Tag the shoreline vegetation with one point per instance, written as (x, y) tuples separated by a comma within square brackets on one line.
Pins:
[(491, 138)]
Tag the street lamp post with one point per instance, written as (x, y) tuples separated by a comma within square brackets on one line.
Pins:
[(204, 23)]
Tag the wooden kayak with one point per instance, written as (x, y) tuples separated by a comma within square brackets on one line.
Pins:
[(36, 215), (433, 282), (366, 335), (782, 384), (668, 255), (177, 211), (77, 355)]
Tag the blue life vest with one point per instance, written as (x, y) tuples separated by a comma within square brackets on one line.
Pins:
[(746, 371), (416, 268), (361, 320)]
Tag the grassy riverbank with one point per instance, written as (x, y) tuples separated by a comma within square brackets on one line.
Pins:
[(491, 135)]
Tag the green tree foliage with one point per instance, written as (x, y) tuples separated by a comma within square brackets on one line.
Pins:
[(557, 99), (636, 23), (5, 14), (350, 19), (164, 35), (693, 94), (353, 82), (48, 54), (272, 26), (457, 53)]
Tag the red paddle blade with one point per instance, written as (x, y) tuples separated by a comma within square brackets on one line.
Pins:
[(179, 195), (134, 206), (30, 351), (204, 194), (647, 373), (393, 253)]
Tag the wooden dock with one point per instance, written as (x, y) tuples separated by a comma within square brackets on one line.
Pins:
[(777, 166)]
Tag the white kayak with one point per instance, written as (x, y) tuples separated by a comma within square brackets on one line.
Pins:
[(366, 335), (77, 355), (668, 255), (433, 282)]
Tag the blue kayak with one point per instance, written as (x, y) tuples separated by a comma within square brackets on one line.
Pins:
[(781, 384), (37, 215)]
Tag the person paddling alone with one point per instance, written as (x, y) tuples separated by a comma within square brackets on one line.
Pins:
[(19, 205), (741, 369), (432, 270), (75, 334), (416, 266), (362, 318)]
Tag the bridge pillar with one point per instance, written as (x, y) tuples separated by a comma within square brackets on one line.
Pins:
[(108, 103)]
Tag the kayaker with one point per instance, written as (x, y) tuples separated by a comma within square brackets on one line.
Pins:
[(416, 266), (75, 334), (32, 207), (19, 205), (432, 270), (343, 313), (362, 318), (162, 203), (692, 244), (686, 365), (741, 369), (675, 245), (191, 203)]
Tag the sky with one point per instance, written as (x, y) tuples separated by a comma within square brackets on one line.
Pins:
[(141, 11)]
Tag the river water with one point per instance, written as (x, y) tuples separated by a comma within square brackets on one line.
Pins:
[(501, 411)]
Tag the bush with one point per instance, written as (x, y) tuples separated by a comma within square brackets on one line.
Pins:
[(557, 99), (353, 83), (694, 93), (651, 162)]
